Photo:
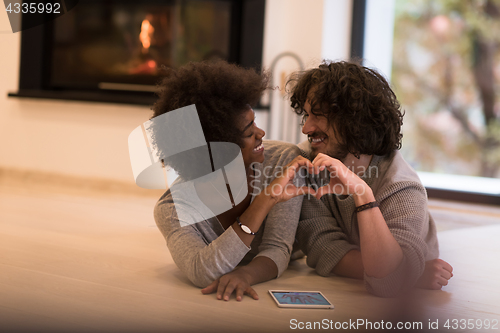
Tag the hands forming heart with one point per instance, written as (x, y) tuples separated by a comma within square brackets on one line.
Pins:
[(343, 181), (282, 188)]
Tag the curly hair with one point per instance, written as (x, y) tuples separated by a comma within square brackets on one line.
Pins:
[(221, 93), (358, 103)]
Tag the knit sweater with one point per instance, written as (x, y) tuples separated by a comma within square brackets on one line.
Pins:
[(328, 228), (204, 251)]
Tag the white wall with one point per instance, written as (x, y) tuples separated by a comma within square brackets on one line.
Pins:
[(337, 20), (310, 29), (90, 139), (379, 35), (71, 138), (293, 26)]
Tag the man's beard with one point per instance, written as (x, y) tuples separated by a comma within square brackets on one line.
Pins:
[(335, 152)]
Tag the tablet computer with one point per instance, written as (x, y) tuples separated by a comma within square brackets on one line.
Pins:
[(300, 299)]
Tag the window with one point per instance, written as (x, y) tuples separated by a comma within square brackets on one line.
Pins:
[(445, 71)]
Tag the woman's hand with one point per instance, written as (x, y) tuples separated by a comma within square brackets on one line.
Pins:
[(237, 281), (436, 274), (282, 187), (342, 180)]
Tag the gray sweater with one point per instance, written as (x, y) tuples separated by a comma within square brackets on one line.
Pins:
[(328, 228), (204, 251)]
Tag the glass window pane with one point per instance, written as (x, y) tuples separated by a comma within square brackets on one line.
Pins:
[(446, 74)]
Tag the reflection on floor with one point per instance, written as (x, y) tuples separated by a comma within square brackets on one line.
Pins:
[(455, 215)]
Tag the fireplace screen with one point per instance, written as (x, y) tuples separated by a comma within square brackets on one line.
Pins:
[(106, 43)]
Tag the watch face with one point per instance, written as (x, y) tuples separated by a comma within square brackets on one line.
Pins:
[(246, 229)]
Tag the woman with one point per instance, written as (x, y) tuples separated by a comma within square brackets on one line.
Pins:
[(259, 230)]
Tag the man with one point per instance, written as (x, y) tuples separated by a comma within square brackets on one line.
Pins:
[(371, 221)]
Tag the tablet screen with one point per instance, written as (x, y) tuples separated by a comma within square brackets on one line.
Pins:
[(300, 298)]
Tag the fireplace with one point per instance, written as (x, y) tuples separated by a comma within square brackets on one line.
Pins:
[(113, 50)]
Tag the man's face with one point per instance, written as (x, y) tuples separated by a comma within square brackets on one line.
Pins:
[(320, 134)]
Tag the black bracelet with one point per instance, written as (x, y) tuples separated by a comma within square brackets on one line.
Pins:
[(245, 228), (369, 205)]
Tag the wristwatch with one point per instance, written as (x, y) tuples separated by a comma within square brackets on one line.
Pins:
[(245, 228)]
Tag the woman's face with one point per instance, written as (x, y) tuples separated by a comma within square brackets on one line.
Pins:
[(253, 148)]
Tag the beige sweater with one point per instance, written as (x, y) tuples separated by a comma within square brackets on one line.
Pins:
[(328, 228)]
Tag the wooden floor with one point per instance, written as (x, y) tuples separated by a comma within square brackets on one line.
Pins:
[(86, 260)]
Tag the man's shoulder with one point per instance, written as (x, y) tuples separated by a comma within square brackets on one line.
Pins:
[(398, 169), (396, 174)]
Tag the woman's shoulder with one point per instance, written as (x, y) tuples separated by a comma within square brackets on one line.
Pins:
[(275, 145), (164, 207), (180, 206), (279, 152)]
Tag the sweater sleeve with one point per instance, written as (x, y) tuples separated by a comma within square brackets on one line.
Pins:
[(405, 212), (281, 222), (279, 233), (320, 237), (195, 248)]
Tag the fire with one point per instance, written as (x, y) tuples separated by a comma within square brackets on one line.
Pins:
[(145, 35)]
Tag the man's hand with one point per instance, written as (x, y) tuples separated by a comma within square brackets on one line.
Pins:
[(436, 274), (237, 281), (342, 180), (282, 187)]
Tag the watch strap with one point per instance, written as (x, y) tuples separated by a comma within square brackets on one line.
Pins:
[(369, 205), (245, 228)]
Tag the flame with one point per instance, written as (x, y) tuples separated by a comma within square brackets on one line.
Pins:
[(145, 35)]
